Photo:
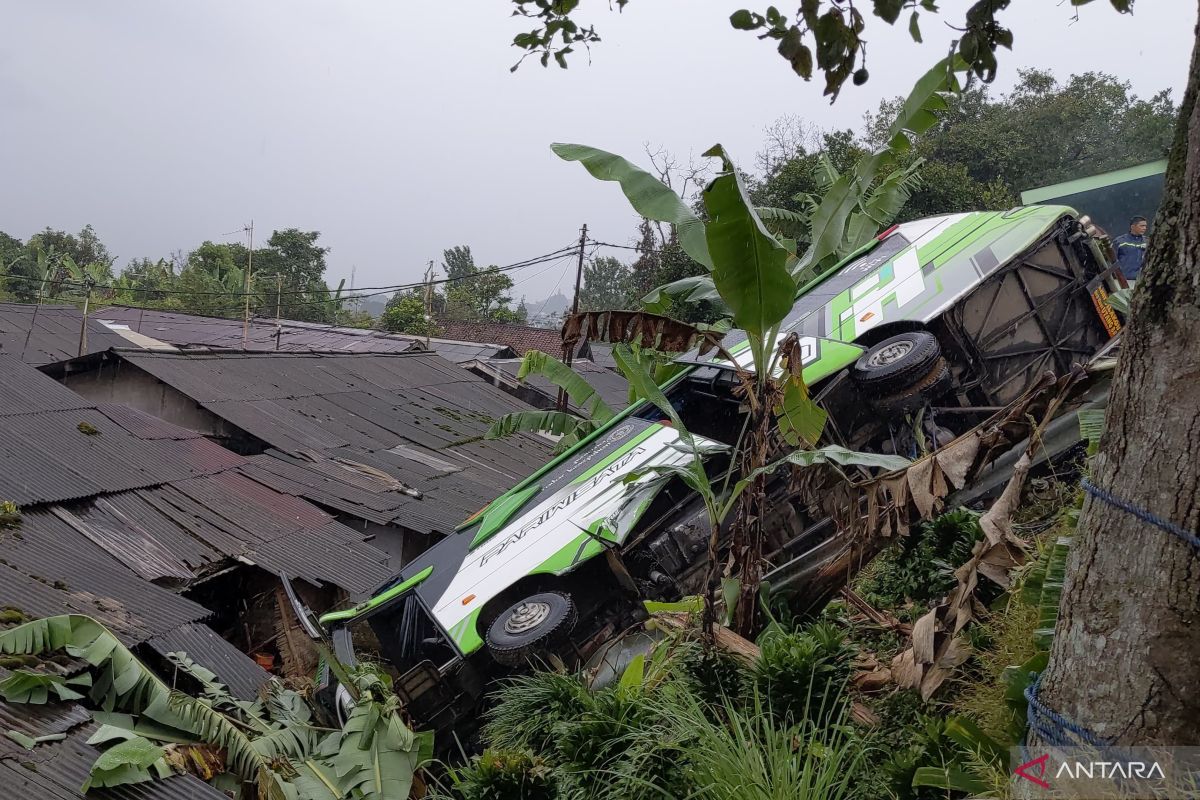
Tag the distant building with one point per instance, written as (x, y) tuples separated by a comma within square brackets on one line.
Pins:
[(1111, 199), (520, 338)]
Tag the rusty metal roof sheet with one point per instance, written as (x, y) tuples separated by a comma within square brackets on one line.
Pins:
[(57, 770), (235, 669), (65, 455), (387, 438), (162, 503), (48, 333), (49, 568)]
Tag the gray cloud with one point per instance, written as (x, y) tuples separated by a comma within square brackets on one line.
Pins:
[(396, 129)]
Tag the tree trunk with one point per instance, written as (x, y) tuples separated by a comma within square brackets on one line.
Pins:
[(1127, 643)]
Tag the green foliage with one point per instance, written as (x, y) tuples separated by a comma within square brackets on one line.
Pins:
[(607, 285), (803, 674), (749, 264), (270, 744), (506, 775), (692, 723), (129, 761), (988, 148), (829, 35), (647, 194), (920, 567), (405, 313), (579, 390), (528, 708)]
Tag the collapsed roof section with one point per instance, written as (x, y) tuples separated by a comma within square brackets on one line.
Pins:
[(112, 498)]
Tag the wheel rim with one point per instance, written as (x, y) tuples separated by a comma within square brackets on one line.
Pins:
[(526, 617), (890, 354)]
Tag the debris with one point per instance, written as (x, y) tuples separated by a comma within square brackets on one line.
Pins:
[(937, 646), (88, 429), (878, 617)]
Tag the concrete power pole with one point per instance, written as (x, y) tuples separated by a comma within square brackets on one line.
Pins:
[(246, 285), (568, 353)]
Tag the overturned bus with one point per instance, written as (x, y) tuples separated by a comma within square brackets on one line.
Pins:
[(910, 342)]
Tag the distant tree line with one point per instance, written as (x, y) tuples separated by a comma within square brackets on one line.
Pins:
[(287, 276)]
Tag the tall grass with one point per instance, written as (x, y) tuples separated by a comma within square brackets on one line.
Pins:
[(675, 736)]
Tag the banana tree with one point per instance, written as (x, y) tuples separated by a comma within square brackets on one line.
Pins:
[(594, 412), (752, 271), (268, 749), (570, 427)]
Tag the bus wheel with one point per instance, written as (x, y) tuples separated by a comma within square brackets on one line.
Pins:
[(529, 626)]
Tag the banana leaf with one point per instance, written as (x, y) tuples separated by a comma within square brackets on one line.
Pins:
[(649, 196), (749, 263), (579, 390)]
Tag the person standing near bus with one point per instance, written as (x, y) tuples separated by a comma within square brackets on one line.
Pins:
[(1131, 248)]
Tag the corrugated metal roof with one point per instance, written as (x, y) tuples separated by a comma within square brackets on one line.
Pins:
[(163, 502), (64, 455), (48, 333), (329, 416), (141, 424), (235, 669), (57, 770), (192, 331), (47, 568), (521, 338), (23, 390)]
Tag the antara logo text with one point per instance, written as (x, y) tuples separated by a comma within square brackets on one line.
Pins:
[(1035, 771), (586, 486)]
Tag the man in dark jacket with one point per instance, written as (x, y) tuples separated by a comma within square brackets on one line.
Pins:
[(1131, 248)]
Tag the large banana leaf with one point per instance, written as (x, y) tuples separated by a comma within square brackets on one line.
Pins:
[(749, 264), (689, 290), (643, 386), (647, 194), (834, 455), (377, 754), (579, 390), (555, 423)]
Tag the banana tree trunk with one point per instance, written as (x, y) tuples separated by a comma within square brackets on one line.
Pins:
[(1127, 640)]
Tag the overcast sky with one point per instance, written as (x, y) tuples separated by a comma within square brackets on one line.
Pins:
[(395, 128)]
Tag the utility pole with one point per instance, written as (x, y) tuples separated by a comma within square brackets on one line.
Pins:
[(83, 323), (278, 318), (246, 287), (428, 302), (569, 351)]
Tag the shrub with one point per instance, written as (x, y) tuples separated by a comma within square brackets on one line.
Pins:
[(921, 566), (527, 708), (803, 674), (505, 775), (711, 673)]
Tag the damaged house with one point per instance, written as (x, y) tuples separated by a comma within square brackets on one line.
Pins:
[(390, 444), (155, 532)]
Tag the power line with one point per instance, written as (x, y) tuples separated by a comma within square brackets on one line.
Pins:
[(531, 262)]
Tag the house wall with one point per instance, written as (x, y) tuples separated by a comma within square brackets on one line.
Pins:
[(121, 382)]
